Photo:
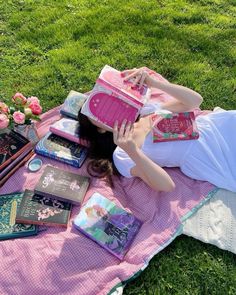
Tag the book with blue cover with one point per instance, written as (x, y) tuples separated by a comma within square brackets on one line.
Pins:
[(109, 225), (61, 149), (73, 104), (9, 229)]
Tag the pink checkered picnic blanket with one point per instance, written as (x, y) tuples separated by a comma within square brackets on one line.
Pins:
[(59, 261)]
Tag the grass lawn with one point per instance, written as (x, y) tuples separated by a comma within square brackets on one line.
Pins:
[(48, 47)]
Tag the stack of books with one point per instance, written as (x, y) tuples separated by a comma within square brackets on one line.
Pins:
[(15, 150), (51, 201), (63, 142), (49, 204)]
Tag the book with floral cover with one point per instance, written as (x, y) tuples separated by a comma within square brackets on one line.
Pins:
[(9, 229), (36, 209), (112, 99), (174, 126), (62, 185), (69, 129), (107, 224), (72, 104), (61, 149)]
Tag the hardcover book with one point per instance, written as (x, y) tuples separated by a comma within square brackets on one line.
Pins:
[(107, 224), (61, 149), (73, 104), (12, 145), (35, 209), (69, 129), (4, 171), (174, 126), (62, 185), (9, 229), (112, 99)]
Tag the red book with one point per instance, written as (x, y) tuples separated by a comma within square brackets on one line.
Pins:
[(174, 126)]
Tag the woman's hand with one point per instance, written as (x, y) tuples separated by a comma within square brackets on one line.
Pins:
[(123, 137), (139, 77)]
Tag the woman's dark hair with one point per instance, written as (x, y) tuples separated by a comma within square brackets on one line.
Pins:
[(100, 150)]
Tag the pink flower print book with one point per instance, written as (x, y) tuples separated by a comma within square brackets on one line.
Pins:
[(174, 126)]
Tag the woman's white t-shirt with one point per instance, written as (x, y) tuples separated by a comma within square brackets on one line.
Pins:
[(210, 158)]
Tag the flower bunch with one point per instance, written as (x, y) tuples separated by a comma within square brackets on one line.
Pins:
[(22, 111)]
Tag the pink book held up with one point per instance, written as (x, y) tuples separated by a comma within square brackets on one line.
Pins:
[(69, 129), (112, 99), (174, 126)]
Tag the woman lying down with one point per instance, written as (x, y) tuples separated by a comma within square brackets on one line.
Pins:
[(130, 151)]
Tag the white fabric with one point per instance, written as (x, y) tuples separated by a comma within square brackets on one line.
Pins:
[(215, 222), (210, 158)]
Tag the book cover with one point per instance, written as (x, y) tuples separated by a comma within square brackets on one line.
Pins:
[(73, 104), (174, 126), (61, 149), (12, 145), (35, 209), (62, 185), (9, 229), (4, 171), (112, 99), (107, 224), (69, 129)]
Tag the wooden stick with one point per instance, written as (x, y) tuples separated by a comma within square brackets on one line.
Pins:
[(11, 172)]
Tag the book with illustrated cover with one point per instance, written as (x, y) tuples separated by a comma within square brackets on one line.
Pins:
[(62, 185), (107, 224), (69, 129), (9, 229), (73, 104), (174, 126), (61, 149), (112, 99), (35, 209), (12, 145)]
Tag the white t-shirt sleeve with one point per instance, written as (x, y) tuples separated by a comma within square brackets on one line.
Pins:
[(123, 162)]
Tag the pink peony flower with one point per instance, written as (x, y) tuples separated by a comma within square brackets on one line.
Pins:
[(19, 99), (19, 117), (35, 107), (4, 121), (33, 98), (3, 107), (28, 111)]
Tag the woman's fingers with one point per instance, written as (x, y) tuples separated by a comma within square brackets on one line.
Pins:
[(122, 134), (127, 72), (115, 132), (128, 129), (142, 79)]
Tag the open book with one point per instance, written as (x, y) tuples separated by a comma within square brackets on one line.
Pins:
[(112, 99)]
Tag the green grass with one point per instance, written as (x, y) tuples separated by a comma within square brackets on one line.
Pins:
[(49, 47)]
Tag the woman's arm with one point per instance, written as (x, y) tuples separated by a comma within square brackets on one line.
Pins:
[(145, 168), (185, 99)]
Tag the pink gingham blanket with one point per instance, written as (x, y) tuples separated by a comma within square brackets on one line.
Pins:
[(59, 261)]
